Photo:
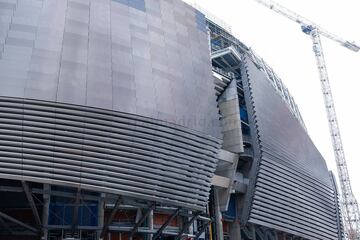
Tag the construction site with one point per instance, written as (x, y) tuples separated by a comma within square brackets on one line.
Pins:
[(150, 120)]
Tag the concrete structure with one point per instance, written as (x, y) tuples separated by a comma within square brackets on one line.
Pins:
[(118, 121)]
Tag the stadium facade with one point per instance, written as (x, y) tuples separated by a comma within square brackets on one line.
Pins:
[(144, 119)]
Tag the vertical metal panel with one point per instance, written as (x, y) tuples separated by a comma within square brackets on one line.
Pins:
[(141, 56), (292, 189), (73, 73)]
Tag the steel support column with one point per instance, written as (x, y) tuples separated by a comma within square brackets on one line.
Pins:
[(276, 235), (75, 222), (141, 220), (111, 217), (253, 232), (202, 229), (162, 228), (218, 216), (101, 209), (235, 230), (187, 225), (150, 224), (45, 213), (30, 199)]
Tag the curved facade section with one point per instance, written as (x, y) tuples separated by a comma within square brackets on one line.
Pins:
[(106, 151), (143, 57), (112, 95), (293, 191)]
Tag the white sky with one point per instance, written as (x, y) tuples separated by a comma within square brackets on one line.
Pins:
[(288, 51)]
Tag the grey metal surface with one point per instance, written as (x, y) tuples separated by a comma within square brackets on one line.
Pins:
[(339, 216), (111, 59), (229, 108), (292, 188), (104, 150), (146, 57)]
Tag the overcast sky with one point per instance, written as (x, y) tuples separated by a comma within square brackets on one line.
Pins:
[(288, 50)]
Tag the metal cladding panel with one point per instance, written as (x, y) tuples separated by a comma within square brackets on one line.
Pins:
[(145, 57), (106, 151), (114, 95), (293, 190)]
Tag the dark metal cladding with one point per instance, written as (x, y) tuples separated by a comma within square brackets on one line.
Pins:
[(121, 97), (292, 189)]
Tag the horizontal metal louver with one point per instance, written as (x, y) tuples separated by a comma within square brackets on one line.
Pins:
[(292, 191), (106, 151)]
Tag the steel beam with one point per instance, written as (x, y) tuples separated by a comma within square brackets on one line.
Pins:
[(253, 232), (162, 228), (246, 231), (186, 226), (6, 226), (11, 219), (75, 222), (141, 220), (10, 189), (150, 224), (111, 217), (218, 216), (203, 228), (101, 211), (30, 199), (64, 194), (45, 211)]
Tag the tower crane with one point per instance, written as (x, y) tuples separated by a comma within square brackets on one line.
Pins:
[(349, 204)]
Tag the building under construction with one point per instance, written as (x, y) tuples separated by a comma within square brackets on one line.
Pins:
[(147, 119)]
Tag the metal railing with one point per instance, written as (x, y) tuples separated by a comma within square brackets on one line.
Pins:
[(229, 75)]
